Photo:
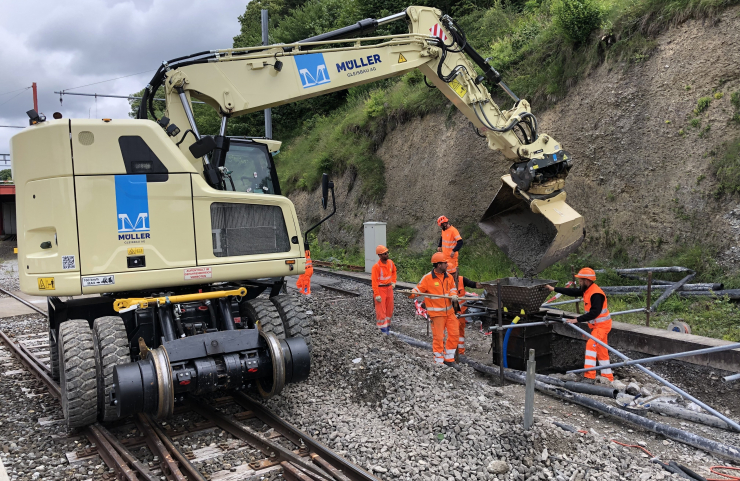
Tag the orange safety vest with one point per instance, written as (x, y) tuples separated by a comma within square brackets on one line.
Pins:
[(309, 264), (432, 284), (605, 316), (450, 236), (383, 274), (461, 292)]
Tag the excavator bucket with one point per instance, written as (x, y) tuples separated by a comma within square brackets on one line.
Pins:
[(533, 233)]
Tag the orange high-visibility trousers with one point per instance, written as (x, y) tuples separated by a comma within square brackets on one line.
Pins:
[(304, 284), (445, 351), (384, 308), (461, 335), (595, 351)]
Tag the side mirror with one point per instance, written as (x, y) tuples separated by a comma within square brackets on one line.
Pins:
[(325, 191), (202, 147)]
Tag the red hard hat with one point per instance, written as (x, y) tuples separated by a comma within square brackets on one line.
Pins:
[(442, 219), (587, 273), (381, 249), (438, 257)]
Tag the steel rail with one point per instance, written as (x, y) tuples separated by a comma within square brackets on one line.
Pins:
[(349, 469), (32, 366), (169, 467), (185, 465), (109, 454), (675, 388), (341, 291), (127, 456), (25, 302), (664, 357)]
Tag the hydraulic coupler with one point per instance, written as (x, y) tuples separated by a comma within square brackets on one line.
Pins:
[(199, 364)]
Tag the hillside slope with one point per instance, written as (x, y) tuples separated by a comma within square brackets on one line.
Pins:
[(642, 177)]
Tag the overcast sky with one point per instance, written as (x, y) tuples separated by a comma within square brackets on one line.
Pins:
[(62, 45)]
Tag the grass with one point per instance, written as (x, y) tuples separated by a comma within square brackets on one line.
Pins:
[(727, 169), (481, 260)]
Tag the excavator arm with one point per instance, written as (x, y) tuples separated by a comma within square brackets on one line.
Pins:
[(528, 218)]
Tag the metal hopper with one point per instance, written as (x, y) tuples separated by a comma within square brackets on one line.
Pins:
[(517, 294), (533, 232)]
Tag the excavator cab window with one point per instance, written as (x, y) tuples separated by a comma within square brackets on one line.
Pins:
[(251, 168)]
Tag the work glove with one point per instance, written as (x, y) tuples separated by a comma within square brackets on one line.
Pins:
[(378, 298), (393, 285), (455, 299)]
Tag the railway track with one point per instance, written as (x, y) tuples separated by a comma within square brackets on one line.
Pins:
[(260, 443)]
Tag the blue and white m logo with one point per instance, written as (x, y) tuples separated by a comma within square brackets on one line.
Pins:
[(132, 203), (312, 69)]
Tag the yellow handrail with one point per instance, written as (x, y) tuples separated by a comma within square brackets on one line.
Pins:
[(143, 302)]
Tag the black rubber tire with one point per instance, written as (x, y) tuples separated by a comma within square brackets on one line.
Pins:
[(264, 313), (53, 357), (77, 373), (111, 348), (295, 321)]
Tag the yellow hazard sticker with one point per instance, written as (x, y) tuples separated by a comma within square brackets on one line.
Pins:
[(401, 58), (135, 251), (46, 284), (458, 88)]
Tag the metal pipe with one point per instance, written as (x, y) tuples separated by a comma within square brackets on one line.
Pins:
[(265, 42), (500, 311), (685, 287), (729, 421), (514, 326), (671, 290), (631, 311), (529, 392), (647, 269), (222, 130), (508, 91), (733, 377), (664, 357), (392, 18), (560, 303), (188, 113)]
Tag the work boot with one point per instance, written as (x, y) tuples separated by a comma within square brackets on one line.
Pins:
[(588, 380), (452, 364)]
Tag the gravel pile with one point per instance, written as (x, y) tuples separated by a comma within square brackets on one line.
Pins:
[(391, 410)]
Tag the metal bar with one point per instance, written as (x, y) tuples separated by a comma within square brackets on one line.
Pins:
[(529, 392), (326, 465), (265, 42), (670, 290), (127, 456), (166, 462), (664, 357), (630, 311), (109, 454), (190, 471), (500, 311), (351, 470), (731, 378), (392, 18), (515, 326), (267, 447), (729, 421), (32, 366), (647, 303), (560, 303)]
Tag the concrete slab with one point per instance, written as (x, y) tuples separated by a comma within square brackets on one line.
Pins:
[(9, 307), (3, 473)]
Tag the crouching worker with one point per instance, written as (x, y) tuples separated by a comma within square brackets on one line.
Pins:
[(597, 316), (384, 281), (440, 310)]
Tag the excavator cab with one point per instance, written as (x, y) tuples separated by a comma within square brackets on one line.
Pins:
[(534, 230)]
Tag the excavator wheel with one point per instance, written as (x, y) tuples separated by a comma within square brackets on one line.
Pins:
[(111, 348), (263, 313), (77, 373), (295, 321)]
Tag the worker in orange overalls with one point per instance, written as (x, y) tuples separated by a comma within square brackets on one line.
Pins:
[(304, 280), (384, 281), (464, 282), (598, 318), (450, 244), (440, 310)]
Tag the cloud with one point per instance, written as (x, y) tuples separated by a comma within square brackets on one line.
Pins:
[(62, 45)]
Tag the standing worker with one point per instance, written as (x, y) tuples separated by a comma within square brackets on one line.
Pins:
[(440, 310), (598, 318), (304, 280), (450, 244), (384, 281), (462, 284)]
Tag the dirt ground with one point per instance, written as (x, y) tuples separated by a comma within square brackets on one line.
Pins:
[(637, 181)]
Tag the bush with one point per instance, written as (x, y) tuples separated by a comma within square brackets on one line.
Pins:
[(727, 169), (576, 19)]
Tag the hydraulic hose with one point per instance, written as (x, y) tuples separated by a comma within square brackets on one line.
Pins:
[(724, 451)]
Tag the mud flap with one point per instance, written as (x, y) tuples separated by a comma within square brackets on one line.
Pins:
[(533, 233)]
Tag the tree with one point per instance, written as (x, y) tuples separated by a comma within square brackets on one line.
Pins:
[(5, 174)]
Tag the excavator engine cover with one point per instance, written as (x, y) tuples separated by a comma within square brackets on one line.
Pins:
[(533, 233)]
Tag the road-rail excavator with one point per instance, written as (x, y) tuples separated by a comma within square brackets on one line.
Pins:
[(154, 244)]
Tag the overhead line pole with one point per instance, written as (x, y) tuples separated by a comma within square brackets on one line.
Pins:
[(265, 42), (35, 97)]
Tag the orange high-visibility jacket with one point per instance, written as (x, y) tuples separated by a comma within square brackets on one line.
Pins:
[(383, 274), (431, 283), (605, 316), (450, 236), (461, 292), (309, 264)]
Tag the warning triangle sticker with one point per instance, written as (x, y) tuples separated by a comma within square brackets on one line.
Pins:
[(401, 58)]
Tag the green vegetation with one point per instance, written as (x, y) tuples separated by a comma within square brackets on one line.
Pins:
[(718, 95), (5, 174), (702, 104), (727, 169), (577, 19), (735, 101), (695, 123)]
